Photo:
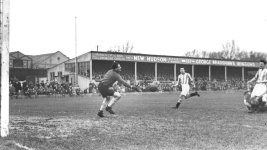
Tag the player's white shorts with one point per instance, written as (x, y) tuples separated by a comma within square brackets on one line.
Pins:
[(185, 89), (258, 90)]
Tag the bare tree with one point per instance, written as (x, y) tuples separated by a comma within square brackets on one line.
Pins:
[(188, 54), (193, 53), (127, 48), (204, 54), (216, 55), (230, 50)]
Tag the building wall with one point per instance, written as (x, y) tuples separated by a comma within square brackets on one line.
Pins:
[(41, 79), (83, 82), (56, 70)]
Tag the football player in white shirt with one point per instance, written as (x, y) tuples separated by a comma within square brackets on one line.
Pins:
[(184, 80), (260, 89)]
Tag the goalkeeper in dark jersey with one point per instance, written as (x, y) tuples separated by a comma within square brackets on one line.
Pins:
[(107, 91)]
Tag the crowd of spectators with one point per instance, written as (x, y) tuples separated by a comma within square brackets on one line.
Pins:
[(165, 77), (146, 81), (219, 84), (140, 76), (18, 88), (202, 83), (53, 88)]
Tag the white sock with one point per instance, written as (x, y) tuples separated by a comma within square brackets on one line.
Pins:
[(115, 98), (104, 104), (112, 101)]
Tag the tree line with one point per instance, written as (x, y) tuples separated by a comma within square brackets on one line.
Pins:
[(229, 51)]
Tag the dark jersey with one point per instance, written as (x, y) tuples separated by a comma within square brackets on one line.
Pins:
[(111, 77)]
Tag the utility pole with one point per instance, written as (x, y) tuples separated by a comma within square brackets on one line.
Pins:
[(76, 64), (4, 45)]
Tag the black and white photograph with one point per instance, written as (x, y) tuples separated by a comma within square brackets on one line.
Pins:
[(133, 75)]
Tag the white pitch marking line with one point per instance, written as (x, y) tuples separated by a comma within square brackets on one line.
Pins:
[(24, 147)]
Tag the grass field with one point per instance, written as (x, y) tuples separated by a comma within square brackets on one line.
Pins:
[(216, 120)]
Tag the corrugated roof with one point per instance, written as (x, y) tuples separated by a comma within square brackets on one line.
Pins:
[(18, 54), (40, 58)]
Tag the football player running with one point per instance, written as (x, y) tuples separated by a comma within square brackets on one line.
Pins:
[(184, 81), (106, 89)]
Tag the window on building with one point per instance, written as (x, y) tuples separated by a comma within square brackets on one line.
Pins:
[(29, 64), (82, 68), (59, 74), (70, 67), (25, 64), (88, 69), (18, 63), (11, 63), (52, 75)]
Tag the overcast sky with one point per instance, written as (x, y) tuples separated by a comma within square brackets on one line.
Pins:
[(166, 27)]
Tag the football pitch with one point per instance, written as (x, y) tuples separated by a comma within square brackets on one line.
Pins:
[(216, 120)]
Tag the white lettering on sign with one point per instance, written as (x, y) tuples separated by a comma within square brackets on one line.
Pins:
[(220, 62), (178, 60), (139, 58), (156, 59), (187, 61), (246, 64), (203, 61)]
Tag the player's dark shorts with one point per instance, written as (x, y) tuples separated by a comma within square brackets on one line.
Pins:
[(105, 90)]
